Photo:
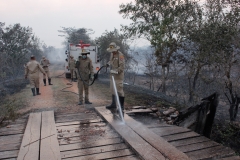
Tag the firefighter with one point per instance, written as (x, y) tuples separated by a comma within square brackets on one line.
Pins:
[(85, 68), (71, 67), (117, 65), (45, 64), (32, 69)]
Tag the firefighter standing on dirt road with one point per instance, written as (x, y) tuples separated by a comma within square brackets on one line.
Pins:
[(45, 63), (32, 71), (117, 65), (71, 67), (85, 67)]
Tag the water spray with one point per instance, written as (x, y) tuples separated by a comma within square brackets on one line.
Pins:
[(118, 102)]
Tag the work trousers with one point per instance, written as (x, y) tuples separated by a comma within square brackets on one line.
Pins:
[(82, 86)]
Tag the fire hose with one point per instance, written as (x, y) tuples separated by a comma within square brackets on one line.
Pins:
[(96, 75)]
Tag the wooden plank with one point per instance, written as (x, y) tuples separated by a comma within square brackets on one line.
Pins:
[(198, 146), (85, 132), (10, 139), (127, 158), (12, 132), (9, 147), (139, 145), (79, 139), (185, 135), (157, 142), (214, 152), (231, 158), (79, 122), (169, 130), (95, 150), (70, 119), (90, 144), (107, 155), (158, 125), (83, 126), (49, 144), (9, 154), (188, 141), (139, 111), (32, 133)]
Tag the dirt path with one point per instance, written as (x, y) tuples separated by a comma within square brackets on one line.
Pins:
[(62, 96)]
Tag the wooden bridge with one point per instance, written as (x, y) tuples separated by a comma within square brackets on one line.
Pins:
[(100, 135)]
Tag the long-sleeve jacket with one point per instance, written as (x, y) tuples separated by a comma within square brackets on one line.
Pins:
[(85, 68), (33, 68), (117, 63)]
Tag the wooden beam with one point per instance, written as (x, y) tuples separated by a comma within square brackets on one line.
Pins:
[(49, 144), (139, 145), (169, 151), (29, 150)]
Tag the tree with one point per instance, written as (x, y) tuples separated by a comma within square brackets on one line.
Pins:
[(160, 22), (18, 42), (74, 35), (112, 36)]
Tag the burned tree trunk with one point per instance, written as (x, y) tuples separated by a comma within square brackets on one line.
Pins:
[(203, 116)]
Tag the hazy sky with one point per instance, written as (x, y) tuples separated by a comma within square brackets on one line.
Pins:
[(46, 17)]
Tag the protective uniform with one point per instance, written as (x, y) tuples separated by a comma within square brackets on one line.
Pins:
[(85, 67), (32, 72), (45, 63), (71, 67), (117, 65)]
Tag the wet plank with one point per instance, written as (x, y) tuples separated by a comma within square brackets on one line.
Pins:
[(90, 144), (198, 146), (87, 138), (85, 132), (95, 150), (49, 144), (9, 154), (180, 136), (188, 141), (82, 126), (141, 147), (158, 125), (107, 155), (214, 152), (169, 130), (154, 140), (32, 133), (79, 122)]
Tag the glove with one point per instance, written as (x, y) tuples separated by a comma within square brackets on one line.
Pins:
[(92, 77), (113, 72), (107, 65)]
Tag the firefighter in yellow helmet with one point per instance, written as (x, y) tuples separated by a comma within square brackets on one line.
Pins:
[(117, 65), (85, 68)]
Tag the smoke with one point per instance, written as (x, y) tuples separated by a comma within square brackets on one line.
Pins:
[(56, 56)]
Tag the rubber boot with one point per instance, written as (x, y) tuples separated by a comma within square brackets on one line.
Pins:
[(33, 91), (49, 81), (38, 91), (44, 81), (113, 105), (80, 103), (87, 102), (121, 99)]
